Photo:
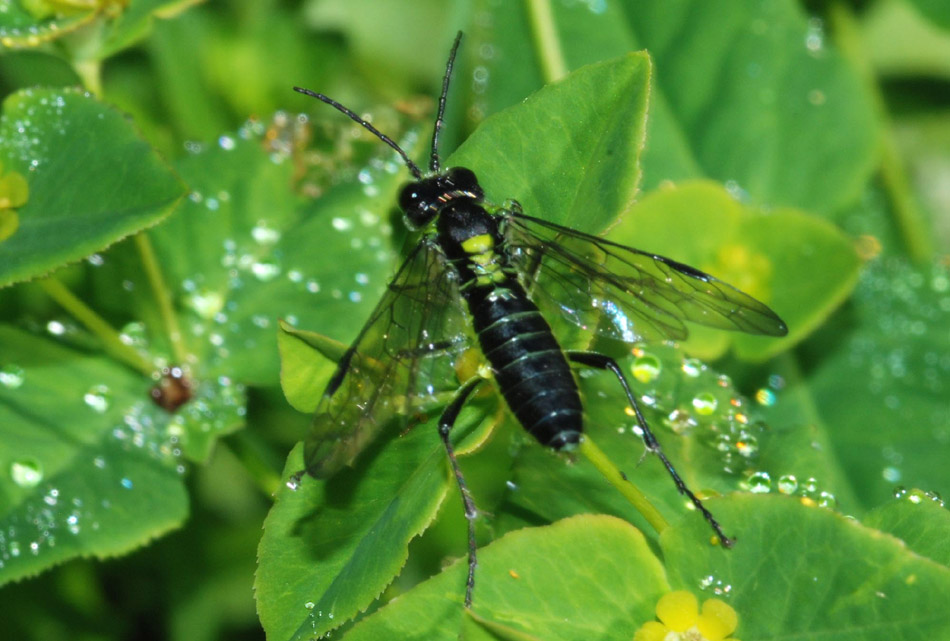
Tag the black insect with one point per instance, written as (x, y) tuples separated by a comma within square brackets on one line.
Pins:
[(506, 267)]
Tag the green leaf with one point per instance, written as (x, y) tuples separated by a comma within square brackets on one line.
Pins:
[(135, 22), (92, 180), (919, 520), (934, 10), (589, 577), (883, 386), (331, 547), (258, 252), (800, 571), (30, 24), (899, 41), (90, 464), (569, 153), (306, 360), (706, 428), (803, 263), (743, 92)]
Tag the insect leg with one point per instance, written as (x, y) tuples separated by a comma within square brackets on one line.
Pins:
[(446, 422), (600, 361)]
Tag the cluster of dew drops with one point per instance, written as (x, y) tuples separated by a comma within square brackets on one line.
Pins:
[(693, 400), (49, 511)]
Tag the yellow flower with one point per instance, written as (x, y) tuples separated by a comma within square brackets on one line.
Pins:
[(680, 619), (13, 193)]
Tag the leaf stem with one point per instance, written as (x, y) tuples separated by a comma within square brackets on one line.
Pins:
[(90, 73), (256, 460), (546, 40), (162, 296), (95, 324), (619, 480), (910, 222)]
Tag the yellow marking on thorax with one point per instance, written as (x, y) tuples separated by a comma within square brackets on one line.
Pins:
[(481, 254)]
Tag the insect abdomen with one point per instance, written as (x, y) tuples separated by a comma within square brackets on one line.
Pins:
[(529, 365)]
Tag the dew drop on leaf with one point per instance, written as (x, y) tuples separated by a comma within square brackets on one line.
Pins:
[(12, 376), (787, 484), (26, 472), (98, 398), (646, 368)]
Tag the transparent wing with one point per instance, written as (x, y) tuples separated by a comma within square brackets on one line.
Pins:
[(625, 293), (399, 364)]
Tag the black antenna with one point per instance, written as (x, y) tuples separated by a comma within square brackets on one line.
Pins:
[(434, 158), (376, 132)]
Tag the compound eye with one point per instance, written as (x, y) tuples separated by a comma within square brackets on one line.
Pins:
[(410, 198), (464, 179)]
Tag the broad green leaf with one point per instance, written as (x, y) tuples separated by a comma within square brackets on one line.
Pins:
[(331, 547), (743, 92), (91, 466), (588, 577), (801, 571), (920, 521), (92, 180), (883, 386), (569, 153), (244, 250)]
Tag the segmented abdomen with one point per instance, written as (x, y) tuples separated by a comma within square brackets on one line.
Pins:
[(529, 364)]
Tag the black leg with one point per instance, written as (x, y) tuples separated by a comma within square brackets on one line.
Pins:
[(600, 361), (446, 422)]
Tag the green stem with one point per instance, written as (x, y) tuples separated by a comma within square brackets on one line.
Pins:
[(90, 73), (546, 40), (162, 296), (911, 223), (95, 324), (256, 461), (617, 478)]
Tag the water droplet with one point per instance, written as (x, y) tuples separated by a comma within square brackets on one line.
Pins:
[(134, 334), (693, 367), (646, 368), (226, 142), (205, 303), (787, 484), (263, 234), (341, 224), (705, 403), (126, 483), (891, 474), (97, 398), (828, 500), (12, 376), (26, 472), (765, 397), (309, 605), (265, 271), (55, 328), (760, 483)]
